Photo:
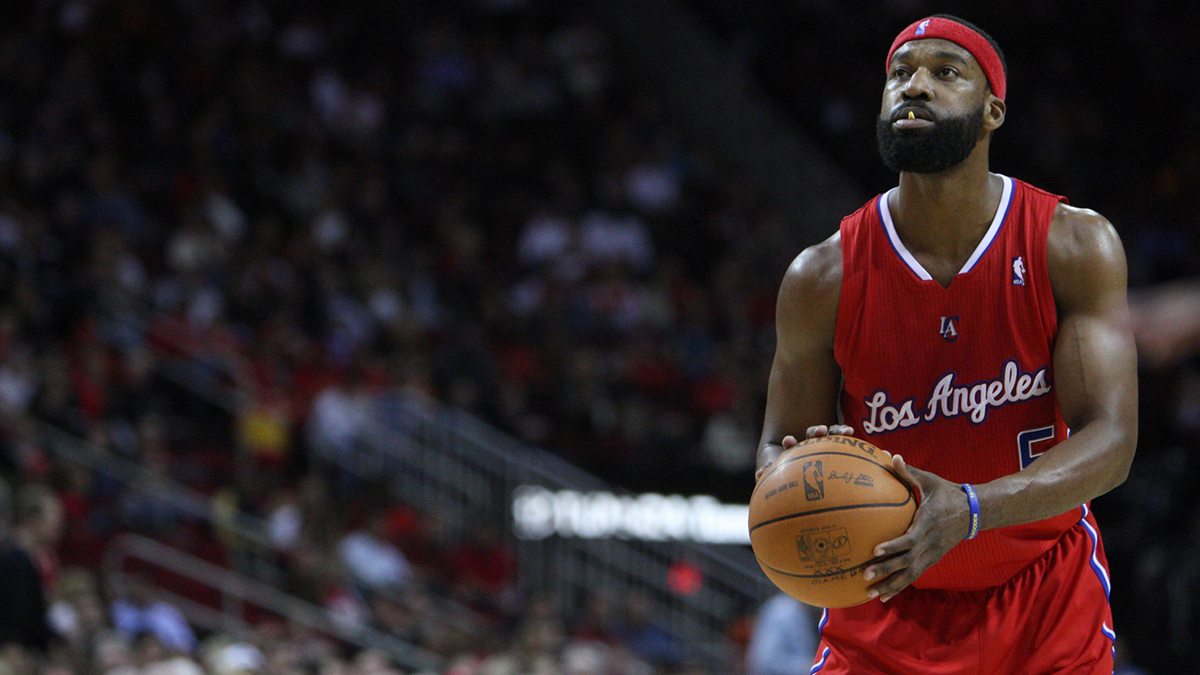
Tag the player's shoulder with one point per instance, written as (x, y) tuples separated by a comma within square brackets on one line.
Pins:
[(806, 312), (1080, 236), (1084, 257), (817, 270)]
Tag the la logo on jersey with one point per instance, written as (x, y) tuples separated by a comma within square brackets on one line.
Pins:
[(949, 329), (1018, 277)]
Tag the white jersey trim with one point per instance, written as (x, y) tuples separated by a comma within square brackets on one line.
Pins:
[(997, 220)]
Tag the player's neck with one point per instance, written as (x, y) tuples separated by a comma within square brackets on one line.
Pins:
[(946, 213)]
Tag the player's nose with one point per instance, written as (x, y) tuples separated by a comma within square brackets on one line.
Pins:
[(919, 86)]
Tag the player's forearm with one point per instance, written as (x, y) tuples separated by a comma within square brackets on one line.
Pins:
[(1091, 462)]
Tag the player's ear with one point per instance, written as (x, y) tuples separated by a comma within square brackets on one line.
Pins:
[(993, 112)]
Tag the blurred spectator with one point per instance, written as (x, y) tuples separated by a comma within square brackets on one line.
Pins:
[(337, 420), (27, 566), (616, 237), (78, 615), (585, 659), (598, 620), (642, 635), (285, 521), (223, 657), (113, 655), (372, 559), (1166, 322), (784, 638), (534, 652), (18, 660), (141, 613), (484, 568), (156, 659)]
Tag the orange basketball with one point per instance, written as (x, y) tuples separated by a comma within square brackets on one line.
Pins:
[(819, 512)]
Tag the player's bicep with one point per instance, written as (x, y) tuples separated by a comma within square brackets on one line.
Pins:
[(805, 378), (1096, 368), (1095, 360), (802, 392)]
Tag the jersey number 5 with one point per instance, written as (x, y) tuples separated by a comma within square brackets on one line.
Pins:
[(1027, 438)]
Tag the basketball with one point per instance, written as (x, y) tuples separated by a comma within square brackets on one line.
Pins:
[(819, 512)]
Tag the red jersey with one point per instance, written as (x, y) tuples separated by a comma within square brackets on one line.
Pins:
[(958, 380)]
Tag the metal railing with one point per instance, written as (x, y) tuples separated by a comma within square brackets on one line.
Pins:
[(237, 591), (255, 552), (444, 461)]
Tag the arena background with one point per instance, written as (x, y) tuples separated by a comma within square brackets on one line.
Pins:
[(362, 335)]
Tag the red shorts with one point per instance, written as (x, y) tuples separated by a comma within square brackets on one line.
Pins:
[(1052, 617)]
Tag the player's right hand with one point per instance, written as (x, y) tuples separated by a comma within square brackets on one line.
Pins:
[(790, 442), (830, 430), (835, 430)]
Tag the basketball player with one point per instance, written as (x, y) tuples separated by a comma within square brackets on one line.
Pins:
[(976, 327)]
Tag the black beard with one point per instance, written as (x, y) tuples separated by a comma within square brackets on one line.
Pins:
[(941, 148)]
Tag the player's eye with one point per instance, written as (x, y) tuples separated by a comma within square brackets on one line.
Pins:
[(947, 71), (900, 72)]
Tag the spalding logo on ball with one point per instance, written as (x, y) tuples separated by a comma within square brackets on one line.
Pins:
[(818, 514)]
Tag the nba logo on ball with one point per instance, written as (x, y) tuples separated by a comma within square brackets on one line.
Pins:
[(814, 481)]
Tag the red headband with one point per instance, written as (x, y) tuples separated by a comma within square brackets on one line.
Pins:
[(948, 29)]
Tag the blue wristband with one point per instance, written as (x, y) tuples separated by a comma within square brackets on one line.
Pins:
[(973, 501)]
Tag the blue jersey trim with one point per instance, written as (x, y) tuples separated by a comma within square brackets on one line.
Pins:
[(994, 231), (821, 663), (1112, 637), (989, 237), (825, 654), (889, 233), (1101, 573)]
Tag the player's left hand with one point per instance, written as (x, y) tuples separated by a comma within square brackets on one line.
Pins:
[(941, 521)]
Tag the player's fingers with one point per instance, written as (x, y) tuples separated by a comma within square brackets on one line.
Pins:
[(841, 430), (888, 567), (817, 431), (889, 587), (790, 442), (888, 596), (908, 474), (885, 590), (904, 578), (904, 542)]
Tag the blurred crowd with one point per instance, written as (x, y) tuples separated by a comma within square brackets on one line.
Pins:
[(225, 225), (61, 619)]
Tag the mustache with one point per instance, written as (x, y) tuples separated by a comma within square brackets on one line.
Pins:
[(919, 105)]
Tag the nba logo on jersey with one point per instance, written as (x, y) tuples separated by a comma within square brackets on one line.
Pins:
[(949, 329), (1018, 271), (922, 26)]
